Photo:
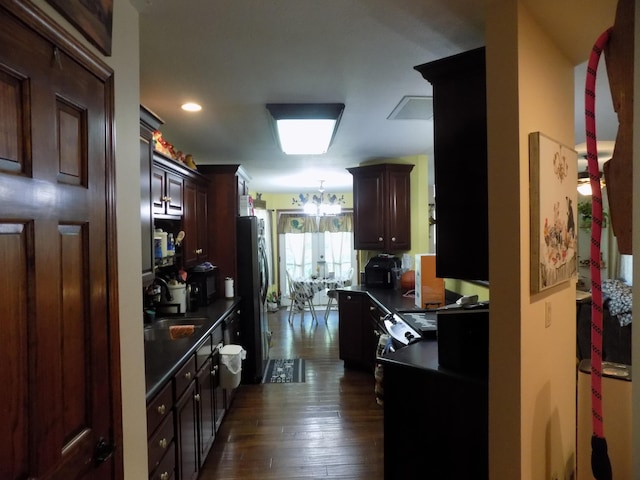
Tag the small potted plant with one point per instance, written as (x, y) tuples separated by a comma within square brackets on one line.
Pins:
[(273, 301), (584, 212)]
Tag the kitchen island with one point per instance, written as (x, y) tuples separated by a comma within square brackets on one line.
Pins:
[(435, 418)]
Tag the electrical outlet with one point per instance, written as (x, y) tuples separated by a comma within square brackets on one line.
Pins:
[(547, 314)]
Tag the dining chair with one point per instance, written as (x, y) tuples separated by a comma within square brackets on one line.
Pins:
[(332, 294), (299, 301)]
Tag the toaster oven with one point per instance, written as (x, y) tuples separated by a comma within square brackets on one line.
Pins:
[(204, 285), (381, 271)]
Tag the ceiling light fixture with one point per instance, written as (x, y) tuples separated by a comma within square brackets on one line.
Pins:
[(191, 107), (584, 183), (305, 128), (320, 205)]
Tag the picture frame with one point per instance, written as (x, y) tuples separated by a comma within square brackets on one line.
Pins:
[(92, 18), (553, 174)]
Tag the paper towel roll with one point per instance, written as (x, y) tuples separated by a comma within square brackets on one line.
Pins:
[(228, 287)]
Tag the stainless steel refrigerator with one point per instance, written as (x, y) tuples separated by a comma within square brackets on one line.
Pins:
[(252, 288)]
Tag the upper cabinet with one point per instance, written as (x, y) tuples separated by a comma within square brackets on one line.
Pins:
[(195, 248), (226, 184), (460, 159), (148, 124), (166, 191), (173, 198), (382, 207)]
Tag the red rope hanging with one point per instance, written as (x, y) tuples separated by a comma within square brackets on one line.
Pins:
[(600, 464)]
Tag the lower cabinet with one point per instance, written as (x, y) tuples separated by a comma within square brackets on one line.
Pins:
[(186, 424), (357, 340), (206, 405), (184, 417)]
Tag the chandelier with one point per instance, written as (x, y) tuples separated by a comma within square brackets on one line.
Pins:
[(322, 204)]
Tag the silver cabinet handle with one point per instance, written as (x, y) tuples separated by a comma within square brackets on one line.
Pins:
[(380, 239), (393, 239), (162, 409), (164, 476), (187, 375), (163, 443), (196, 397)]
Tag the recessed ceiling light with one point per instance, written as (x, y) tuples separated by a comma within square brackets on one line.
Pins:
[(191, 107)]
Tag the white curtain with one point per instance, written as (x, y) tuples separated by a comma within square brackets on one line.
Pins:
[(306, 240)]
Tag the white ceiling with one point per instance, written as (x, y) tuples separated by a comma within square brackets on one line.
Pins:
[(234, 56)]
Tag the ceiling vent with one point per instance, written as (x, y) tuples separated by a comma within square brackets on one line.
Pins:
[(413, 108)]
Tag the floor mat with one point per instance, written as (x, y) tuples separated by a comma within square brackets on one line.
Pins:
[(289, 370)]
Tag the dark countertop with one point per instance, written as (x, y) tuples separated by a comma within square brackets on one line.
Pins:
[(421, 355), (163, 358), (390, 299)]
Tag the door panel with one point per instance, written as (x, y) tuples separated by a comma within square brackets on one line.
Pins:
[(58, 384)]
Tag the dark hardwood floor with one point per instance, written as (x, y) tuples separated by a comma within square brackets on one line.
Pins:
[(330, 426)]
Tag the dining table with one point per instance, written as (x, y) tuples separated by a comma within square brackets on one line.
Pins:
[(306, 288)]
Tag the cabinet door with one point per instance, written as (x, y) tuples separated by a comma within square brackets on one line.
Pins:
[(460, 152), (399, 209), (158, 190), (187, 435), (368, 209), (202, 219), (146, 218), (190, 248), (218, 391), (174, 185), (350, 328), (166, 192), (206, 404)]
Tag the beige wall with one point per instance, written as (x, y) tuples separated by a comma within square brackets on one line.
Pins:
[(532, 373)]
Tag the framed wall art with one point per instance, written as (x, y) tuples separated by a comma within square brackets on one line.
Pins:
[(93, 18), (553, 177)]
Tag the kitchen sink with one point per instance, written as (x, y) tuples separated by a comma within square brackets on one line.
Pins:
[(161, 328), (166, 322)]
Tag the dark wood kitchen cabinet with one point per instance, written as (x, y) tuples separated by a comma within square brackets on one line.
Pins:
[(460, 160), (160, 434), (149, 123), (226, 184), (195, 220), (166, 191), (450, 417), (382, 207), (356, 333), (186, 426)]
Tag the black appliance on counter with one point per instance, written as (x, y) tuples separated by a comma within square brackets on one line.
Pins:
[(380, 271), (252, 288), (203, 280)]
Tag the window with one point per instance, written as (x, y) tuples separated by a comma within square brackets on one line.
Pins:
[(305, 240)]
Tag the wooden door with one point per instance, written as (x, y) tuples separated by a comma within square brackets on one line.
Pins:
[(58, 347)]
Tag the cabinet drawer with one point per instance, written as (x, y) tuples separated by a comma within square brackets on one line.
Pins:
[(160, 442), (184, 377), (166, 469), (203, 352), (159, 408)]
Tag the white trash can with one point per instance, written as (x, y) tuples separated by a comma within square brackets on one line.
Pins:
[(231, 357)]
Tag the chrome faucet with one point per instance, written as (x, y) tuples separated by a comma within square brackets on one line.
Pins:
[(164, 287)]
